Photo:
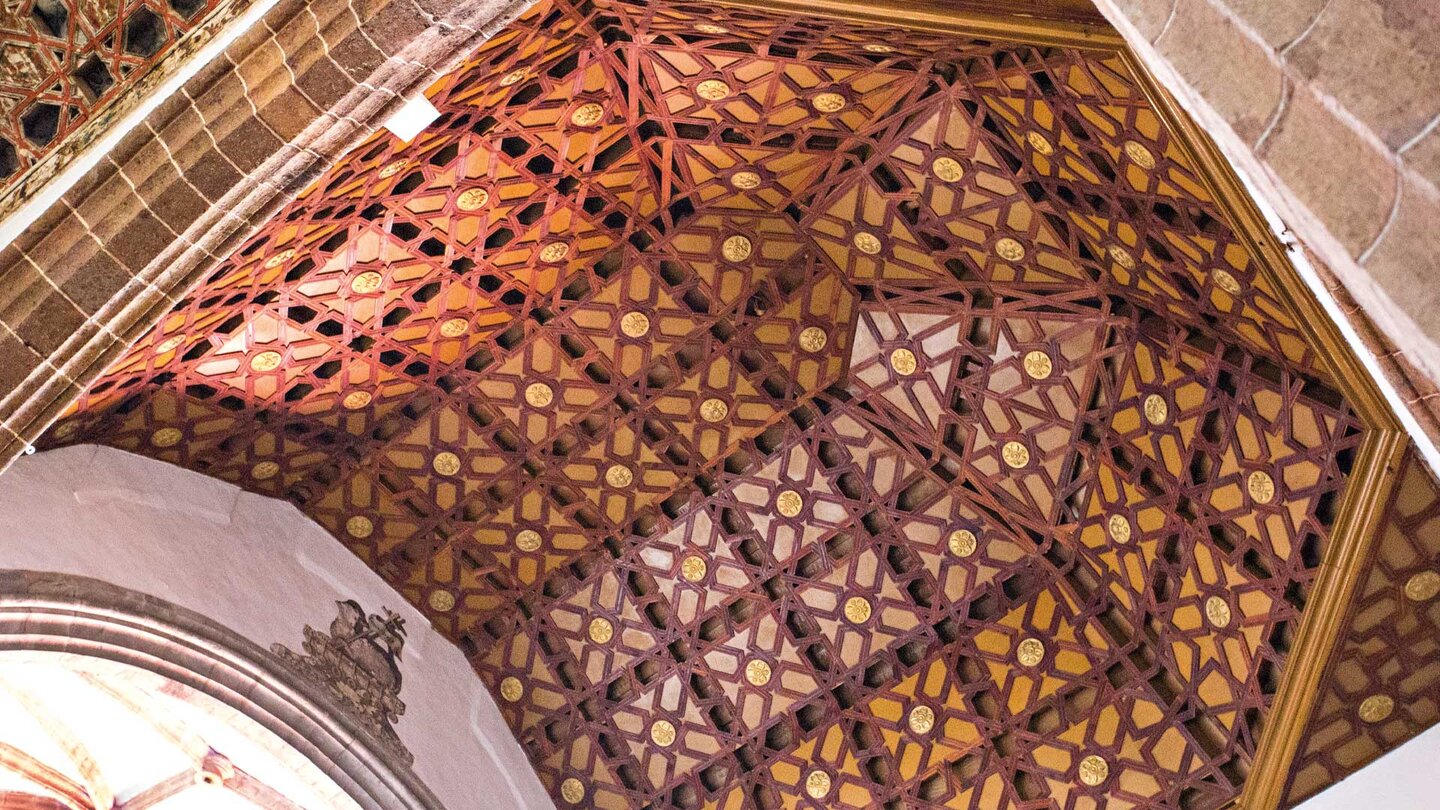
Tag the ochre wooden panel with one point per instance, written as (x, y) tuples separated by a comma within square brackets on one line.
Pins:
[(1384, 685)]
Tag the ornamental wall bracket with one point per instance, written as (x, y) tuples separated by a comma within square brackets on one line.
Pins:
[(358, 663)]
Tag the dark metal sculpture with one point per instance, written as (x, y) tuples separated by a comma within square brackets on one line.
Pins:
[(358, 662)]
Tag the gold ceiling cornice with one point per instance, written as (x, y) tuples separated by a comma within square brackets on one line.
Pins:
[(975, 21), (1322, 626), (1362, 506), (1254, 231)]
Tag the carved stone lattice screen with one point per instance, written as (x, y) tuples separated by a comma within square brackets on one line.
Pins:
[(64, 64), (783, 412)]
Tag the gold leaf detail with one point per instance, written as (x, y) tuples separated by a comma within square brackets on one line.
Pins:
[(963, 542), (1030, 652), (619, 476), (1015, 454), (904, 362), (1261, 486), (714, 410), (662, 732), (817, 784), (947, 169), (1140, 155), (813, 338), (601, 630), (1217, 610), (1156, 409), (572, 791), (367, 282), (712, 90), (1119, 527), (472, 199), (1423, 586), (1094, 770), (587, 115), (511, 689), (1009, 249), (1375, 708), (265, 361), (1038, 365), (446, 463), (866, 242), (538, 394), (635, 324), (736, 248), (922, 719), (442, 601), (789, 503), (857, 609), (693, 568)]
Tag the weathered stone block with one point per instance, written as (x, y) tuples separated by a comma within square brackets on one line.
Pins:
[(1279, 23), (1406, 262), (1380, 59), (50, 322), (1424, 157), (1233, 72), (1149, 16), (1333, 171)]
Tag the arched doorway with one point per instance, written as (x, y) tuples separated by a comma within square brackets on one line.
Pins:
[(112, 698)]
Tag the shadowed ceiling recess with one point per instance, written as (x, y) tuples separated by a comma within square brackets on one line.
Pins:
[(67, 63), (782, 412)]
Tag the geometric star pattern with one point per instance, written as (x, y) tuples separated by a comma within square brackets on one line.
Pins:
[(1390, 648), (780, 412), (63, 62)]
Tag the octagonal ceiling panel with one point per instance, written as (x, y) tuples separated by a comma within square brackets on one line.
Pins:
[(786, 413)]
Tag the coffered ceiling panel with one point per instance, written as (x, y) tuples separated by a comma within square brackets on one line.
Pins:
[(783, 412), (65, 63)]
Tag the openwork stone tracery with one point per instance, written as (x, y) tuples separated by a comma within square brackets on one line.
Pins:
[(786, 413)]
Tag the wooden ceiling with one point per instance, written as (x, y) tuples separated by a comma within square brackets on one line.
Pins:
[(787, 412), (66, 62)]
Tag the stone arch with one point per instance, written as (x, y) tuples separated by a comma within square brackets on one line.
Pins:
[(133, 560), (63, 613)]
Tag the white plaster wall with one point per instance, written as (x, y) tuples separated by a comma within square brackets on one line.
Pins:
[(263, 569), (1407, 778)]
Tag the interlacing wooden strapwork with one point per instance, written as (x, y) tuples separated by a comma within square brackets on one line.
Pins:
[(64, 62), (1384, 686), (784, 413)]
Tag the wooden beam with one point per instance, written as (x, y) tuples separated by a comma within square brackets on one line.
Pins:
[(971, 20), (26, 766), (1323, 623)]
